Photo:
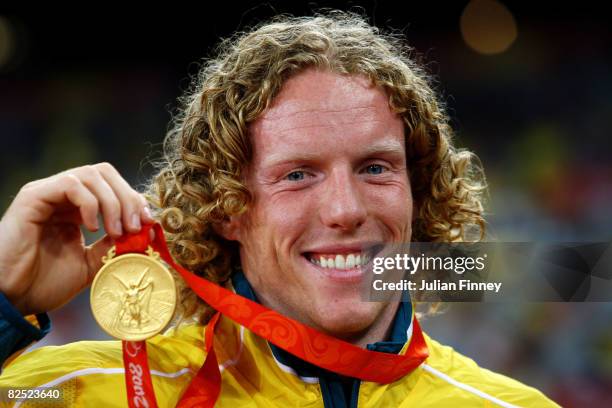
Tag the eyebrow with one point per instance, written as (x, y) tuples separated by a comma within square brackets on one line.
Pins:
[(389, 146)]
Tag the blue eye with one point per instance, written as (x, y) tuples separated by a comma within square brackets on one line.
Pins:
[(295, 176), (375, 169)]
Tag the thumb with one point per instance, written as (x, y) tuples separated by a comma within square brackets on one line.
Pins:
[(94, 254)]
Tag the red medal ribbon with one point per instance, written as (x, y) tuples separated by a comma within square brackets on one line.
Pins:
[(294, 337), (137, 375)]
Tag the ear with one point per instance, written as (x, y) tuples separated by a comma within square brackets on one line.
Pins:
[(229, 228)]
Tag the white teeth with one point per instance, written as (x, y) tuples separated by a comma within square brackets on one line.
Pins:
[(340, 261), (350, 261)]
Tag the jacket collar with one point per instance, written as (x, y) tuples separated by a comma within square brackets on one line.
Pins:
[(401, 331)]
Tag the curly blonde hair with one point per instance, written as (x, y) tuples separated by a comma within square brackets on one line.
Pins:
[(199, 180)]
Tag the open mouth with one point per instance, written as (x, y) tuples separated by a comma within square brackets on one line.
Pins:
[(343, 261)]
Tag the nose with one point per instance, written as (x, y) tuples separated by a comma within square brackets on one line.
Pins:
[(342, 206)]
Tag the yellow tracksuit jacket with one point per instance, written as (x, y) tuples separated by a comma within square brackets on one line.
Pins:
[(256, 374)]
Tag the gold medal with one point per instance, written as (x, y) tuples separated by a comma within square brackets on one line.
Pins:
[(133, 296)]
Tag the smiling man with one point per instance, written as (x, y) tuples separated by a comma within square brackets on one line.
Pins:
[(329, 180), (304, 145)]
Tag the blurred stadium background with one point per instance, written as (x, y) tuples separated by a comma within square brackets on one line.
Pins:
[(529, 89)]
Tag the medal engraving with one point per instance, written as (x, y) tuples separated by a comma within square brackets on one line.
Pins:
[(133, 296)]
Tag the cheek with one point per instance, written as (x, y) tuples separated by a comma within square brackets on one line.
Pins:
[(279, 219), (291, 209), (393, 206)]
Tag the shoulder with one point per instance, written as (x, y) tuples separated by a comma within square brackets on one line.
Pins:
[(98, 365), (461, 377)]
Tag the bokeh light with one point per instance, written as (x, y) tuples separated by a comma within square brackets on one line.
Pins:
[(488, 27), (7, 42)]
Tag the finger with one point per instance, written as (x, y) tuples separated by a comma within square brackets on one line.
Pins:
[(40, 200), (87, 203), (72, 216), (133, 203), (109, 202), (94, 254), (147, 217)]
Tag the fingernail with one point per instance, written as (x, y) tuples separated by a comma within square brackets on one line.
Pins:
[(118, 227), (147, 213), (135, 221)]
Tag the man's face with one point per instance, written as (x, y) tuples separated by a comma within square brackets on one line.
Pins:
[(329, 180)]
